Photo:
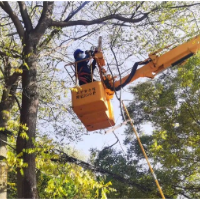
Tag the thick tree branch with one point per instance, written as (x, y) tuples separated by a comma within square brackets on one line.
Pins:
[(112, 16), (13, 78), (45, 19), (76, 11), (44, 11), (25, 16), (6, 7), (98, 21)]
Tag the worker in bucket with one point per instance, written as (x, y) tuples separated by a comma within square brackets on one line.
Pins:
[(84, 71)]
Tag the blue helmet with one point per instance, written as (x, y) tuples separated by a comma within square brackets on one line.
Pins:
[(77, 52)]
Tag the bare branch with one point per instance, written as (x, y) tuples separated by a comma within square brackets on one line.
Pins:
[(185, 6), (12, 34), (65, 9), (18, 103), (137, 7), (25, 16), (8, 144), (34, 8), (69, 74), (112, 16), (108, 147), (6, 7), (6, 24), (78, 38), (55, 31), (76, 11), (98, 21)]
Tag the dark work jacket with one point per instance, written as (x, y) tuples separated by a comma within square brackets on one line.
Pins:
[(83, 66)]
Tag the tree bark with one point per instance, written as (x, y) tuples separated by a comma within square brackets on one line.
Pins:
[(3, 166), (26, 183), (6, 104)]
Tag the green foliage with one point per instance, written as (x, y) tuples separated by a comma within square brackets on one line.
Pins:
[(56, 179), (171, 104), (138, 182)]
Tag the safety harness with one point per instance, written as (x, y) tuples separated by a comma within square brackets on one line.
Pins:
[(84, 76)]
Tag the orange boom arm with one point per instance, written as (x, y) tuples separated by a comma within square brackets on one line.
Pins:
[(157, 63)]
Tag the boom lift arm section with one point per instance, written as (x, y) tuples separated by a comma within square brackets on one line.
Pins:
[(153, 65)]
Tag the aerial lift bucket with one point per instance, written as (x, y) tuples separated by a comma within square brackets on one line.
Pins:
[(91, 106)]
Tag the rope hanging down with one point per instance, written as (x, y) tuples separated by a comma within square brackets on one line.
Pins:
[(144, 153)]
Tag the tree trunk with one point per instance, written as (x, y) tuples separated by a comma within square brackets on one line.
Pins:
[(26, 183), (3, 167), (6, 104)]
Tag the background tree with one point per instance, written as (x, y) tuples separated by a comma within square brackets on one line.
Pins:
[(171, 105), (56, 179), (8, 88), (39, 34)]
